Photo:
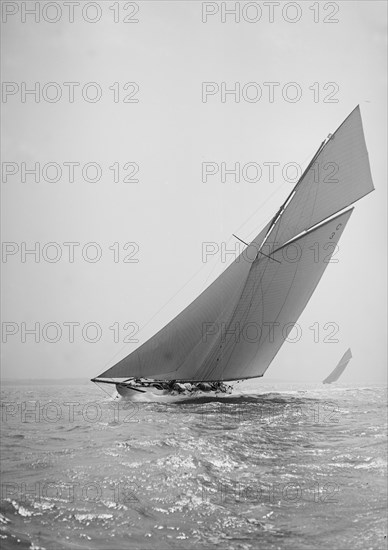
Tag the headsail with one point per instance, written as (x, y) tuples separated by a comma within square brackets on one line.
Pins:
[(234, 329), (333, 377), (163, 354)]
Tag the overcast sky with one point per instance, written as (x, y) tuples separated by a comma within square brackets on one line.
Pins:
[(336, 62)]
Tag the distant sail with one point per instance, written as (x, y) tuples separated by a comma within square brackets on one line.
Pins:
[(333, 377), (234, 329)]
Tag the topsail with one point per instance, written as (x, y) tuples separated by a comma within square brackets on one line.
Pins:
[(338, 176), (234, 329), (333, 377)]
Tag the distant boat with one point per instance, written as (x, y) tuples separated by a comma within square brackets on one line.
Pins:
[(333, 377), (236, 326)]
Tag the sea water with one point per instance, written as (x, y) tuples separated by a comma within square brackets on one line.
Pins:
[(277, 466)]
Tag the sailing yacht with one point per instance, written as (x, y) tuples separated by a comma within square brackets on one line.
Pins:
[(333, 376), (235, 327)]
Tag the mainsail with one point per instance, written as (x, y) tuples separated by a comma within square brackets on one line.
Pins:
[(234, 329), (333, 377)]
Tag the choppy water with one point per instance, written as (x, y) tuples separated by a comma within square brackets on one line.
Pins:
[(297, 467)]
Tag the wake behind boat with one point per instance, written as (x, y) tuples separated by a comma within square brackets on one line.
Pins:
[(236, 326)]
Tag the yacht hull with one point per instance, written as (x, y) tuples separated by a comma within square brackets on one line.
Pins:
[(151, 394)]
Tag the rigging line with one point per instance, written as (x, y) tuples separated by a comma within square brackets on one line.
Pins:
[(102, 388), (240, 239), (259, 251)]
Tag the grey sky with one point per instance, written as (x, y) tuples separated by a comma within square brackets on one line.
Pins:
[(170, 212)]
